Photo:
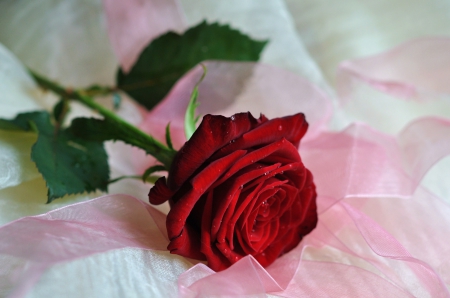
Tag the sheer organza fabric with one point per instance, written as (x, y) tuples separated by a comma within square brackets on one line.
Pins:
[(380, 232)]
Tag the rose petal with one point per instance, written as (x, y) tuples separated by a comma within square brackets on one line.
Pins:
[(213, 133), (292, 128), (176, 219), (159, 193)]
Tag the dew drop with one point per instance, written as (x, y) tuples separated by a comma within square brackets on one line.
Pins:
[(236, 258), (280, 127), (232, 118), (232, 141), (241, 186)]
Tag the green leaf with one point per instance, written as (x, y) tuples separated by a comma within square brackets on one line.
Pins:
[(101, 130), (22, 121), (9, 125), (171, 55), (60, 111), (69, 164)]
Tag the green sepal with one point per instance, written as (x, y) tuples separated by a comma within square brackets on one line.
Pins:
[(168, 137), (151, 170), (190, 120)]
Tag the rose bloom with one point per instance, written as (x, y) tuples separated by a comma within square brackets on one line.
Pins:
[(238, 187)]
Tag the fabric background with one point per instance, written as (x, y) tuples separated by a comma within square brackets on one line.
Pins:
[(68, 41)]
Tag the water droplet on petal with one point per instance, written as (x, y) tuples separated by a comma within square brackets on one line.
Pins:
[(280, 127), (232, 118)]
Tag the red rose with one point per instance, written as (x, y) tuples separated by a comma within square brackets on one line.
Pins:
[(239, 187)]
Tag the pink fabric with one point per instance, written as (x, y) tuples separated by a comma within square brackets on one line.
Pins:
[(133, 23), (32, 244), (417, 69), (380, 233), (230, 87)]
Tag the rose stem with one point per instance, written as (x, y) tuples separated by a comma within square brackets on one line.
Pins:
[(158, 150)]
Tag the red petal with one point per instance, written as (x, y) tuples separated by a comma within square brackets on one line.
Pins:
[(292, 128), (282, 149), (187, 244), (216, 260), (181, 209), (213, 133), (159, 193)]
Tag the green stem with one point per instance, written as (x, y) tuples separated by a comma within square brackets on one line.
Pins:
[(161, 152), (150, 179)]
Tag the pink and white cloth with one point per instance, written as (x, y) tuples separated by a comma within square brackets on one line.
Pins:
[(381, 231)]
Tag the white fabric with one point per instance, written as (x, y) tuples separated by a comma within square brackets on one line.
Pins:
[(67, 41)]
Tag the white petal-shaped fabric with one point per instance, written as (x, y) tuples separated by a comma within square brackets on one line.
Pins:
[(381, 232)]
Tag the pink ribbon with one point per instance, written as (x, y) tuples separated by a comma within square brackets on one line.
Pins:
[(380, 233)]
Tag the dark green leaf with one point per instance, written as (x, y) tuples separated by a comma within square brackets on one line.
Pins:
[(22, 121), (58, 108), (171, 55), (8, 125), (60, 111), (68, 164)]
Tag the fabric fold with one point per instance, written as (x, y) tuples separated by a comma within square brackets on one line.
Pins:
[(380, 232), (111, 222)]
